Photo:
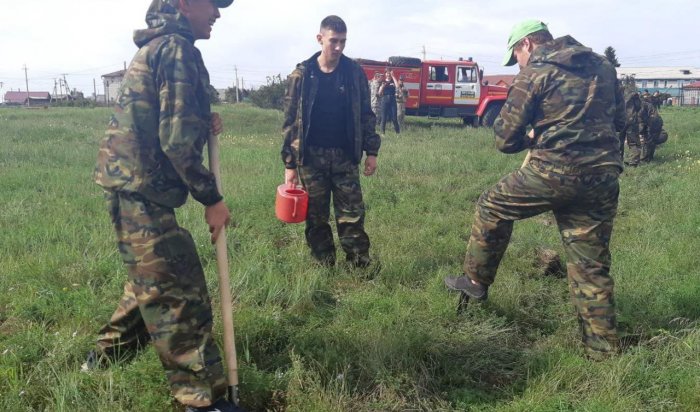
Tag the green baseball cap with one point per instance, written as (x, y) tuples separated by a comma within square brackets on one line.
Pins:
[(223, 3), (517, 33)]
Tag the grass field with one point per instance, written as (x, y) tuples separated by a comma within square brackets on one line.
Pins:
[(312, 339)]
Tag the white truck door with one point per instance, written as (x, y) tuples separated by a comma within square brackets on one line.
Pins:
[(467, 88)]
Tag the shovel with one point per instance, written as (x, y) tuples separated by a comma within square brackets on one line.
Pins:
[(224, 285)]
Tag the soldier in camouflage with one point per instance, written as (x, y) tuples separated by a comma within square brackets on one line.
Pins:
[(650, 128), (401, 97), (633, 107), (571, 98), (148, 163), (328, 124), (375, 99)]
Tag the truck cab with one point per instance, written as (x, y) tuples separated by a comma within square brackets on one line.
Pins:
[(438, 88)]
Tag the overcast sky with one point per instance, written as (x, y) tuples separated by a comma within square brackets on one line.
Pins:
[(84, 39)]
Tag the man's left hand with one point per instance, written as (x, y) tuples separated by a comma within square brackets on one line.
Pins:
[(216, 125), (370, 165)]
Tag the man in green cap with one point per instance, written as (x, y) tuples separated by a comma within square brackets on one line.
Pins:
[(570, 98), (149, 162)]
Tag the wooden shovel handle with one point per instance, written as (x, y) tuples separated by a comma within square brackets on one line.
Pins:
[(224, 284)]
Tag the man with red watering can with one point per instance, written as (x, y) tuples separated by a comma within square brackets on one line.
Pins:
[(328, 125)]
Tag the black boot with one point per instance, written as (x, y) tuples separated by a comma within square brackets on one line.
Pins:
[(465, 285)]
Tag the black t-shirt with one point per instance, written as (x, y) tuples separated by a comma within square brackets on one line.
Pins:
[(390, 90), (328, 126)]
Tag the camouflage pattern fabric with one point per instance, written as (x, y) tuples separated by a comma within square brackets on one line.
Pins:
[(148, 162), (299, 100), (650, 125), (376, 100), (155, 138), (401, 97), (165, 300), (632, 129), (332, 171), (584, 203), (572, 99)]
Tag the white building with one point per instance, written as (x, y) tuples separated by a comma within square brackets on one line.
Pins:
[(112, 82), (669, 80)]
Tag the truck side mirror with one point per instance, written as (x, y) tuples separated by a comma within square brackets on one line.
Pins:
[(486, 82)]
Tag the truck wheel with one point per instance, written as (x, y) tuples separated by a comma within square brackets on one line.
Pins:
[(404, 61), (472, 121), (491, 113)]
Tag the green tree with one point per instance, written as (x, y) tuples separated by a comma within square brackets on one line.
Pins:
[(271, 95), (611, 56), (214, 95)]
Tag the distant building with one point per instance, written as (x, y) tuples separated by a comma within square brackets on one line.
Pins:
[(691, 95), (504, 80), (112, 82), (20, 98), (669, 80)]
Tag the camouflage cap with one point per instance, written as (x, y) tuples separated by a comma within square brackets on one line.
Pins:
[(517, 33)]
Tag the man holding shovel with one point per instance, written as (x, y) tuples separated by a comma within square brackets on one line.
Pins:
[(148, 163), (571, 99)]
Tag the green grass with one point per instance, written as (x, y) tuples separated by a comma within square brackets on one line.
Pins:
[(312, 339)]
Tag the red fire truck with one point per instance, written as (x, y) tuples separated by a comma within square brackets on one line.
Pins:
[(438, 88)]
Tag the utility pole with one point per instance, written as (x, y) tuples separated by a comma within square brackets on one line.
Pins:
[(26, 82), (1, 96), (424, 52), (94, 88), (238, 96)]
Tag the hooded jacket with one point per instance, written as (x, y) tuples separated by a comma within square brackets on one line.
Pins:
[(299, 100), (154, 141), (572, 99)]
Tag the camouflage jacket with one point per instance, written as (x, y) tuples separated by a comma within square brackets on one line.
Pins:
[(153, 145), (633, 107), (572, 99), (299, 100), (649, 120)]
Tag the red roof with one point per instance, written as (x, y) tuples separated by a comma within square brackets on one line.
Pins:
[(693, 85), (494, 79), (21, 97)]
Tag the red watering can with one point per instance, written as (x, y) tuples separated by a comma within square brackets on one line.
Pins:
[(291, 203)]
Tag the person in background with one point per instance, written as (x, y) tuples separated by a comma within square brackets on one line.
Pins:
[(376, 100), (387, 91), (401, 98)]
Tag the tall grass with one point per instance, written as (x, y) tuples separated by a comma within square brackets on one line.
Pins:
[(313, 339)]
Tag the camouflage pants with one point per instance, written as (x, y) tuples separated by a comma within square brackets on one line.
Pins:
[(634, 143), (650, 139), (401, 113), (584, 206), (377, 109), (332, 171), (165, 300)]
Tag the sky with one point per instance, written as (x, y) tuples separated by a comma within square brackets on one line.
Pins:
[(84, 39)]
